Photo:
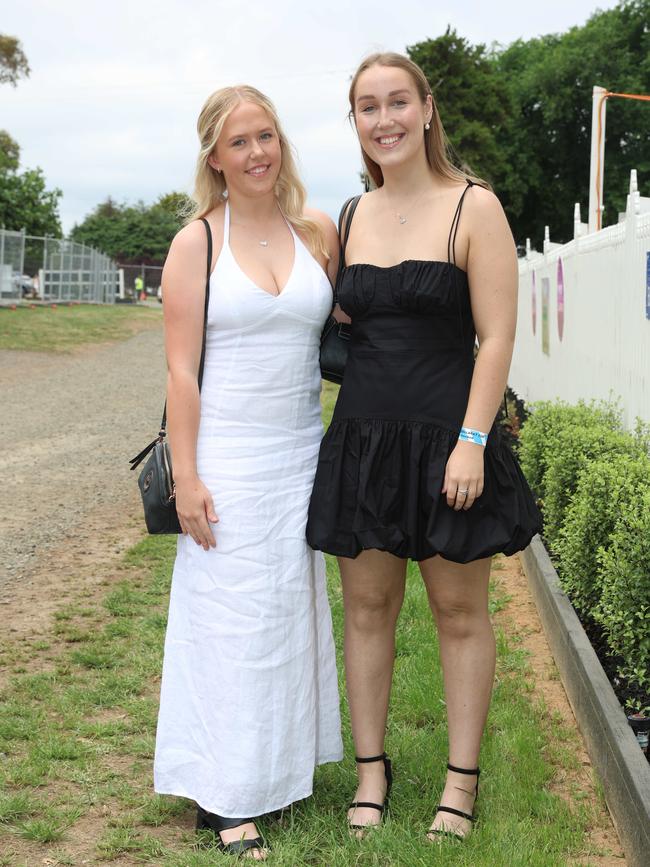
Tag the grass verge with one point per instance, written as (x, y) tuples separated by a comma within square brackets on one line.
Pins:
[(62, 329)]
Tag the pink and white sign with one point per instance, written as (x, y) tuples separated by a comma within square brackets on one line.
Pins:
[(560, 298)]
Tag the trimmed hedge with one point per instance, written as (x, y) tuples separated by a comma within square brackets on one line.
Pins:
[(593, 482), (624, 608)]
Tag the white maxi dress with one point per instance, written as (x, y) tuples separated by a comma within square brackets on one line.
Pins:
[(249, 699)]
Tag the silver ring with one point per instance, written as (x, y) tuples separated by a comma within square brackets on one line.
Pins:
[(464, 493)]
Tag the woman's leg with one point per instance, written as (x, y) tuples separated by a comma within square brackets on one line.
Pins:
[(458, 596), (373, 591)]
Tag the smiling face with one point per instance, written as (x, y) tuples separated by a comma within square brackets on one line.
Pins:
[(248, 151), (390, 115)]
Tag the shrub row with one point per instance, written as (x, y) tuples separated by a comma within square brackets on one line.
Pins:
[(592, 479)]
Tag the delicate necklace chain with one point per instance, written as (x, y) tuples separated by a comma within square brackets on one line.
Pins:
[(262, 242), (403, 217)]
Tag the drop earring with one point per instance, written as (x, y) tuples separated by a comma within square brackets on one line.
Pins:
[(427, 125)]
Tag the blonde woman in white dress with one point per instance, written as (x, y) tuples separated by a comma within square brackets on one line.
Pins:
[(249, 700)]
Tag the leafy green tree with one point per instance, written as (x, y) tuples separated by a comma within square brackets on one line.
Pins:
[(174, 204), (472, 99), (550, 81), (132, 233), (9, 151), (26, 203), (520, 116), (13, 63)]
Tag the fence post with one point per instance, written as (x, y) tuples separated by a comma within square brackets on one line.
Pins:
[(22, 257), (43, 271), (597, 160)]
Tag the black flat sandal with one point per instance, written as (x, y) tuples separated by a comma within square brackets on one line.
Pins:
[(206, 821), (442, 809), (388, 771)]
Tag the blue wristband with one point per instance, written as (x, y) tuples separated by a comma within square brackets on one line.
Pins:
[(468, 435)]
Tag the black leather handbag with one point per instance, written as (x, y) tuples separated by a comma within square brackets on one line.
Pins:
[(156, 480), (335, 337)]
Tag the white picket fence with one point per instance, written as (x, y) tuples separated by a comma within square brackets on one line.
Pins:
[(583, 327)]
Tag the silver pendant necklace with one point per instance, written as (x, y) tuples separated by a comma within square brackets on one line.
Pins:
[(403, 217)]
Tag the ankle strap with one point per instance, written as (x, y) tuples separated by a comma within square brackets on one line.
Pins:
[(370, 758), (474, 771)]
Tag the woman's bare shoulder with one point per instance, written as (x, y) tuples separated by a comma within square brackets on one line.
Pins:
[(190, 241)]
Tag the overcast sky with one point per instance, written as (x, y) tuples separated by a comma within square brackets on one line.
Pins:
[(111, 104)]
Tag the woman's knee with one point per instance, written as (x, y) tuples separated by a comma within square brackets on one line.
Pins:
[(460, 619), (372, 610)]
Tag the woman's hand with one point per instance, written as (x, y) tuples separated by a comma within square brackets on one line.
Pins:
[(464, 473), (196, 511), (340, 316)]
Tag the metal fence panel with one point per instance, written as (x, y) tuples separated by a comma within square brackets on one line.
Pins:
[(12, 256), (55, 269)]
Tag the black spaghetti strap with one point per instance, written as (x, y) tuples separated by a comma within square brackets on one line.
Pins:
[(453, 231)]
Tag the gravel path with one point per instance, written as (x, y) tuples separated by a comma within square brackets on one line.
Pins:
[(69, 425)]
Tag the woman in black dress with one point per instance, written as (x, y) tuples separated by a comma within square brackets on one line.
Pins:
[(412, 465)]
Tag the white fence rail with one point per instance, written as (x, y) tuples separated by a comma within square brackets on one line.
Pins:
[(583, 328)]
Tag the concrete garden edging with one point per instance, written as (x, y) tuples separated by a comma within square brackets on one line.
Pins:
[(611, 744)]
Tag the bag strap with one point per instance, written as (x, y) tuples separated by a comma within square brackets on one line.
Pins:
[(206, 303), (348, 210)]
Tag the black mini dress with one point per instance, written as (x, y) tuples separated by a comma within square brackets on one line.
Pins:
[(399, 411)]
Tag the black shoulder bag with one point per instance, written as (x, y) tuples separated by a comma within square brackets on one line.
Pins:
[(156, 481), (335, 338)]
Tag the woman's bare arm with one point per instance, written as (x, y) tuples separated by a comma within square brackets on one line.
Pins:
[(183, 287), (493, 278)]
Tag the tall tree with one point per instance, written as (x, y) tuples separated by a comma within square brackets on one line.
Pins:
[(472, 99), (26, 203), (132, 233), (9, 151), (550, 81), (13, 63), (521, 115)]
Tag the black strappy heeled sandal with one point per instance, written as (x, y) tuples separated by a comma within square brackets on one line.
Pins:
[(442, 809), (388, 771), (212, 822)]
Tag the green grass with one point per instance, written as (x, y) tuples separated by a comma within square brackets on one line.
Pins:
[(81, 735), (61, 329)]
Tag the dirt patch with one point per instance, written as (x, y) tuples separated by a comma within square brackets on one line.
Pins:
[(520, 618), (70, 424)]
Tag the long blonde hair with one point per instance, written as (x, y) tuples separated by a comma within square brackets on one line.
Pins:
[(210, 185), (437, 146)]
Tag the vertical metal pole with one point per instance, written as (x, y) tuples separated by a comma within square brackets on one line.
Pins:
[(597, 160), (44, 271), (22, 256)]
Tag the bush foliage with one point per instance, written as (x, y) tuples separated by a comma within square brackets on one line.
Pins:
[(593, 483)]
